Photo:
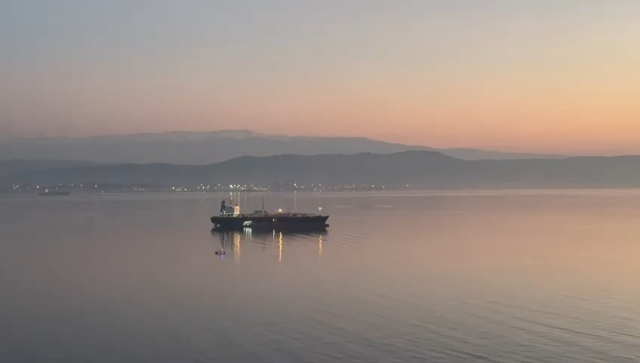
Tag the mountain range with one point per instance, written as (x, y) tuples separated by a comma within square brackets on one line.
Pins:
[(10, 168), (419, 168), (202, 148)]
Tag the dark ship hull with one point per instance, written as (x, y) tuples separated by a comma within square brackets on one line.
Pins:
[(54, 194), (273, 221), (230, 218)]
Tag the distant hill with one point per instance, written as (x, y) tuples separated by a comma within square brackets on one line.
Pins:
[(201, 148), (420, 168), (9, 168), (475, 154)]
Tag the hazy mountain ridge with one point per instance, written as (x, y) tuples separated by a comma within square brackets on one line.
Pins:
[(202, 148), (9, 168), (420, 168)]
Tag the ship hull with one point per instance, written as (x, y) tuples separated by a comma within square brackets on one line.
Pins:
[(270, 222), (54, 194)]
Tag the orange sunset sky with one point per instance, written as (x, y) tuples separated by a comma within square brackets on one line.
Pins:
[(548, 76)]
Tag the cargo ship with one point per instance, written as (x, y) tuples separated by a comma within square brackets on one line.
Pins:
[(230, 218), (48, 192)]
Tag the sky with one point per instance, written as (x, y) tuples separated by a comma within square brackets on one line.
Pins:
[(558, 76)]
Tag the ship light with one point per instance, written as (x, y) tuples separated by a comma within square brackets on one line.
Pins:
[(279, 210)]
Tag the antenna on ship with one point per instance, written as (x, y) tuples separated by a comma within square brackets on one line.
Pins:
[(295, 201)]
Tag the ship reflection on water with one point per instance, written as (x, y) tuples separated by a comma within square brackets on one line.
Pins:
[(231, 240)]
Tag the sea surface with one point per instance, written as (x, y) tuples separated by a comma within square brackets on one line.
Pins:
[(446, 276)]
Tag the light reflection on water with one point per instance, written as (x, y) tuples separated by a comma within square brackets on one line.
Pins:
[(473, 276), (232, 240)]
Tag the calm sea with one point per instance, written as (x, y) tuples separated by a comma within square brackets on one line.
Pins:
[(477, 276)]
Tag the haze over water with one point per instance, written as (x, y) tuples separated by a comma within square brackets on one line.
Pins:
[(525, 276)]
